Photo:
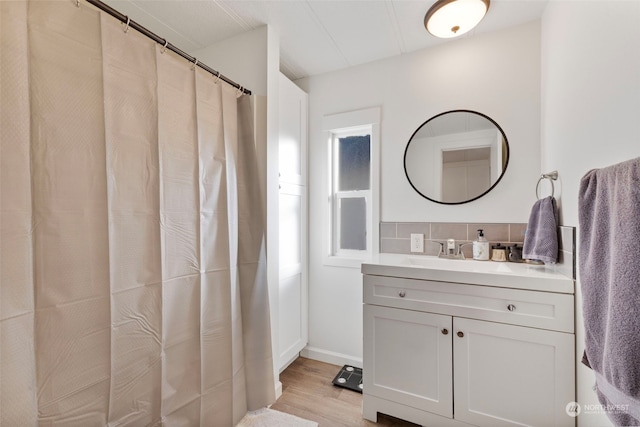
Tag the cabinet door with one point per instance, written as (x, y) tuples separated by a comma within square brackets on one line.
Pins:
[(292, 295), (407, 358), (509, 375), (292, 206)]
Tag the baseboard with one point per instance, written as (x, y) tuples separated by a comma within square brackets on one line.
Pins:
[(331, 357), (278, 390)]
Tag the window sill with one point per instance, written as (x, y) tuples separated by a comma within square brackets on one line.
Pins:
[(340, 261)]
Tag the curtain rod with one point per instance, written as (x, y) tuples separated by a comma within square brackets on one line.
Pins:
[(164, 43)]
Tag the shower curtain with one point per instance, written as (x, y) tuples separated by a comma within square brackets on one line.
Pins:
[(133, 286)]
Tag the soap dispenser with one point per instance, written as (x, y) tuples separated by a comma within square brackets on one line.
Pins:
[(481, 247)]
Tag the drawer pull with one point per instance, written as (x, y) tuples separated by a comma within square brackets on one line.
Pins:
[(401, 294), (511, 307), (460, 334), (445, 331)]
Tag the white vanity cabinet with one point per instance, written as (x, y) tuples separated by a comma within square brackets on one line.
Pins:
[(454, 354), (410, 358)]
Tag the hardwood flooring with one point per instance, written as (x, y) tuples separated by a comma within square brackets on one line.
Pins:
[(307, 392)]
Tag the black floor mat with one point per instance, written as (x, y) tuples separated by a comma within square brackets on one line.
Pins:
[(349, 377)]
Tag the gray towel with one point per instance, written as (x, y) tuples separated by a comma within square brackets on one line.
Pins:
[(541, 237), (609, 260)]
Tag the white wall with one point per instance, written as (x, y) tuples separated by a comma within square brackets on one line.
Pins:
[(497, 74), (590, 112), (244, 58)]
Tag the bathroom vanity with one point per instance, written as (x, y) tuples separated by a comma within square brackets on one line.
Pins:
[(455, 343)]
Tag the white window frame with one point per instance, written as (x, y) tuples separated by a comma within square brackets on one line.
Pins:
[(338, 196), (343, 124)]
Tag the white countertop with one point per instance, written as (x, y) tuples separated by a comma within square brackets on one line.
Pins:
[(485, 273)]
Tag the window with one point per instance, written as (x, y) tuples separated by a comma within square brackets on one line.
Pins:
[(352, 212), (351, 191)]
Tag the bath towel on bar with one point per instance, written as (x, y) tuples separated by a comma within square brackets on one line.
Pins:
[(609, 260), (541, 237)]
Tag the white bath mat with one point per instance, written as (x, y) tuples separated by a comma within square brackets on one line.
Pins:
[(269, 418)]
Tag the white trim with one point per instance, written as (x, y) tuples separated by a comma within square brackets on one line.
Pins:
[(371, 405), (331, 357), (351, 119), (341, 261), (338, 123), (278, 389), (375, 186), (463, 141)]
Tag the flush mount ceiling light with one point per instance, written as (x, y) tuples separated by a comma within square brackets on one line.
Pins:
[(453, 18)]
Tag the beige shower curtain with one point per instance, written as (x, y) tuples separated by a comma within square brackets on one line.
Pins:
[(133, 287)]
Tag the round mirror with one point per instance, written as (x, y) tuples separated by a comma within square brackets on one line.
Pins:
[(456, 157)]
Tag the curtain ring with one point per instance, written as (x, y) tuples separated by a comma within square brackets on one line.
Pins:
[(239, 92), (126, 28), (195, 64), (164, 48), (77, 3), (217, 78)]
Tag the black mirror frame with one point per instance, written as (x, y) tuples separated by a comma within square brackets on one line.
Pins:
[(506, 164)]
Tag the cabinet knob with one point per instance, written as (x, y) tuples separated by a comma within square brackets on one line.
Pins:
[(445, 331), (460, 334), (401, 294), (511, 307)]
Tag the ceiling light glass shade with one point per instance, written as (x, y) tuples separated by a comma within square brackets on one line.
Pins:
[(453, 18)]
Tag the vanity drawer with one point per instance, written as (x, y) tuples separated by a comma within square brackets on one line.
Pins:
[(544, 310)]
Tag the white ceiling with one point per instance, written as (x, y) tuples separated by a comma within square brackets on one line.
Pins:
[(316, 36)]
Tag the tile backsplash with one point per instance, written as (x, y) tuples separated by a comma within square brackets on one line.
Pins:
[(395, 238)]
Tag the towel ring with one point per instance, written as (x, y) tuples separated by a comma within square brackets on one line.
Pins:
[(551, 176)]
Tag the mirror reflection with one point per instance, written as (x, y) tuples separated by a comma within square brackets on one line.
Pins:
[(456, 157)]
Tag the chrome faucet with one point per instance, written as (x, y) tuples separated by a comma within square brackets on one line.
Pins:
[(451, 251)]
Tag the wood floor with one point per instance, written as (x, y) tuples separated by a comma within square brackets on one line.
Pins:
[(307, 392)]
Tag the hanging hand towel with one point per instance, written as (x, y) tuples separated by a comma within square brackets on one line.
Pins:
[(609, 259), (541, 237)]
